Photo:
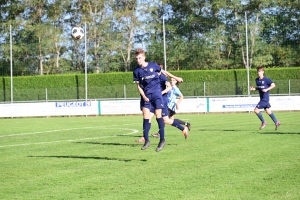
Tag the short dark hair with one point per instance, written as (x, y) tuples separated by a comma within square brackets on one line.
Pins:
[(260, 68), (139, 51)]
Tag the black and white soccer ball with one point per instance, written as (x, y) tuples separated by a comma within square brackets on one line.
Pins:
[(77, 33)]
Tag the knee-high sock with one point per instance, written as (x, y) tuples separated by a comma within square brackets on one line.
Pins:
[(259, 115), (177, 125), (180, 121), (273, 118), (146, 128), (161, 126)]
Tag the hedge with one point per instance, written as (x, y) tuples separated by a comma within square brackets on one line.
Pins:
[(111, 85)]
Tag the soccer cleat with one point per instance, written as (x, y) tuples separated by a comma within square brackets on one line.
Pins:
[(155, 135), (277, 125), (142, 139), (185, 132), (160, 145), (146, 145), (188, 125), (263, 125)]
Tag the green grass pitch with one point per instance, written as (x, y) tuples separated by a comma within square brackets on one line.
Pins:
[(225, 157)]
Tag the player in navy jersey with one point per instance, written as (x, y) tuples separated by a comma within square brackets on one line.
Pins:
[(166, 87), (148, 84), (264, 85)]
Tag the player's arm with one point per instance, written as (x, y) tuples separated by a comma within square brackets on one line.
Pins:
[(269, 88), (168, 88), (141, 91), (179, 101), (179, 79), (180, 95), (252, 88)]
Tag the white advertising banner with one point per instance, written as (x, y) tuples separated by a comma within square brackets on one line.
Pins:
[(23, 109), (282, 102), (232, 104), (74, 108), (49, 109), (197, 105), (123, 107), (120, 107), (296, 103)]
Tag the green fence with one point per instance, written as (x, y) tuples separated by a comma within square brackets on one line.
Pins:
[(197, 89)]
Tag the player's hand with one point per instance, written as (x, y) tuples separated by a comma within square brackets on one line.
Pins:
[(252, 88), (179, 79), (264, 90), (146, 99)]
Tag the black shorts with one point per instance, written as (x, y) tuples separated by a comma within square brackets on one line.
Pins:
[(171, 113)]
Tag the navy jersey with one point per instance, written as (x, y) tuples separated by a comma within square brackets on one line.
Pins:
[(261, 84), (148, 78), (163, 80)]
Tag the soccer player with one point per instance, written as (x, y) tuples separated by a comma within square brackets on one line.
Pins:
[(173, 104), (264, 85), (148, 84), (167, 112), (166, 87)]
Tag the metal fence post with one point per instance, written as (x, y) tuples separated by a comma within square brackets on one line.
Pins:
[(204, 89), (125, 91), (289, 87)]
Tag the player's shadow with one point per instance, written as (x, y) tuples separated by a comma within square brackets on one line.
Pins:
[(225, 130), (135, 144), (280, 133), (91, 157), (108, 143)]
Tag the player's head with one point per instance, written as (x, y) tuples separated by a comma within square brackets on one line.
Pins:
[(140, 56), (174, 82), (260, 71)]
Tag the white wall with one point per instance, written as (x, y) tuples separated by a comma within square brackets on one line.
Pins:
[(123, 107)]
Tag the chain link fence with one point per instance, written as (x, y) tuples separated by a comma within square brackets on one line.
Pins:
[(197, 89)]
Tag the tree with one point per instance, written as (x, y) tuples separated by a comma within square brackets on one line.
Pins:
[(128, 25)]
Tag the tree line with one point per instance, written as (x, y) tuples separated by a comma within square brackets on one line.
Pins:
[(198, 34)]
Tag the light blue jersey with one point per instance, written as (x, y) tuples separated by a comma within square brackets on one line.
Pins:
[(172, 97)]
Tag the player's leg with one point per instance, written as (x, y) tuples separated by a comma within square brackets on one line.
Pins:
[(146, 125), (158, 106), (142, 139), (142, 103), (146, 122), (272, 116), (161, 131), (176, 124), (259, 106), (187, 124), (164, 114)]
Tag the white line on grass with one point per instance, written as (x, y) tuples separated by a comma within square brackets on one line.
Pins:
[(52, 131), (73, 140)]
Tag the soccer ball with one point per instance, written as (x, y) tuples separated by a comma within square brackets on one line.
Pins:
[(77, 33)]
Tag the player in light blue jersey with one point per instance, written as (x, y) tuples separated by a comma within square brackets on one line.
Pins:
[(264, 85), (173, 103)]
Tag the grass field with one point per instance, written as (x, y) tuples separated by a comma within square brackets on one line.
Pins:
[(225, 157)]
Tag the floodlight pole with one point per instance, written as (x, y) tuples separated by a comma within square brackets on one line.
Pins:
[(11, 68), (165, 54), (247, 60), (85, 67)]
